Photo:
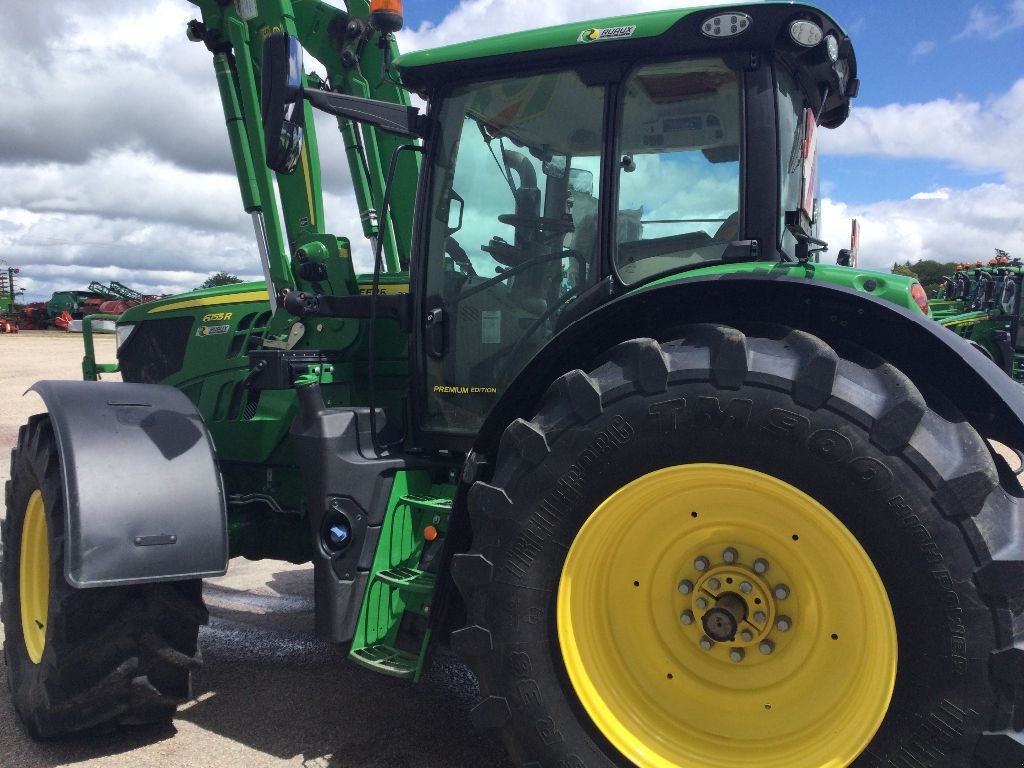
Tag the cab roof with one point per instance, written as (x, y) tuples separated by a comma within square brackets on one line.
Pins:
[(644, 35)]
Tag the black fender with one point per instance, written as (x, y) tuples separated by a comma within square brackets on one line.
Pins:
[(144, 500), (935, 358)]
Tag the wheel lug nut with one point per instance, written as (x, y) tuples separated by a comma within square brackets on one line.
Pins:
[(686, 586), (730, 555), (760, 617), (686, 617), (784, 624), (701, 563), (746, 635), (760, 565), (746, 587), (701, 602), (714, 584), (766, 647), (781, 591), (706, 643), (736, 655)]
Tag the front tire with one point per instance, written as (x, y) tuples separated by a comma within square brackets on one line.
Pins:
[(79, 659), (768, 461)]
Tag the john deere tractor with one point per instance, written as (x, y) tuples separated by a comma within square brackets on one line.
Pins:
[(596, 420)]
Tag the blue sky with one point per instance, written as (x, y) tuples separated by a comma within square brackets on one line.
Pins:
[(115, 163), (910, 52)]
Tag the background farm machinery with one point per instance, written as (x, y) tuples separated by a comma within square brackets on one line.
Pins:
[(981, 302)]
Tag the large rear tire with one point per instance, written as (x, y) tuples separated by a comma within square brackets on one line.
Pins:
[(734, 551), (79, 659)]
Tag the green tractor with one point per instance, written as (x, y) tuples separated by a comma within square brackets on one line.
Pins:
[(596, 420)]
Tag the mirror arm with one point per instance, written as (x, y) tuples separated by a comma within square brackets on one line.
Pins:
[(393, 118)]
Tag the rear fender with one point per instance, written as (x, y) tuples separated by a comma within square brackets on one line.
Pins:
[(143, 497)]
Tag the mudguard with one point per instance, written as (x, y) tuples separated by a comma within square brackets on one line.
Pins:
[(143, 495), (928, 353)]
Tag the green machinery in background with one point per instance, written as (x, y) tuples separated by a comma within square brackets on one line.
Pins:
[(594, 417), (982, 303)]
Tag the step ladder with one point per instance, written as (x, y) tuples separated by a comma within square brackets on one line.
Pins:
[(392, 636)]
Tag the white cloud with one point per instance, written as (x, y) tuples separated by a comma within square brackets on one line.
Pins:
[(971, 135), (923, 48), (944, 225), (988, 24)]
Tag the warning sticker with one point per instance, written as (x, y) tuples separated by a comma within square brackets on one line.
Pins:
[(490, 326), (246, 9), (594, 35)]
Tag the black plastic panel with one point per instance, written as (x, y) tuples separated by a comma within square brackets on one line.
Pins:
[(143, 495)]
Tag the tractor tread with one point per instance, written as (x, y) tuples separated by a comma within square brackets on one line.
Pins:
[(528, 441), (582, 394), (816, 375), (643, 362)]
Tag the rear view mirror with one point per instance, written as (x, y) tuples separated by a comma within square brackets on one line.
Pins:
[(281, 101)]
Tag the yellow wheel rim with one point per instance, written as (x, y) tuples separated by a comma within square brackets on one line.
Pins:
[(671, 564), (34, 577)]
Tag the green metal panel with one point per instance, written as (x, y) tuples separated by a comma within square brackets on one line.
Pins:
[(894, 288)]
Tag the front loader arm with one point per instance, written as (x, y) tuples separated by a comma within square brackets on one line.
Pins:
[(348, 49)]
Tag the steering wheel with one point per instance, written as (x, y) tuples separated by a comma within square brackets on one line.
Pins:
[(459, 255)]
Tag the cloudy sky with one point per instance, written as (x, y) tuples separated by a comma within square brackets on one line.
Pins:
[(114, 162)]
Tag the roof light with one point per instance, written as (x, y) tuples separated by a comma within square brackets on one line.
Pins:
[(386, 16), (832, 46), (805, 33), (726, 25)]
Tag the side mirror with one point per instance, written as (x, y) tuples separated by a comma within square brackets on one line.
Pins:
[(281, 101)]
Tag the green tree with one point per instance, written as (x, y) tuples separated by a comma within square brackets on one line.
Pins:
[(220, 278), (903, 269), (927, 271)]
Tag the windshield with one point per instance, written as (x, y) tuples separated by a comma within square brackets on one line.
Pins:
[(679, 175)]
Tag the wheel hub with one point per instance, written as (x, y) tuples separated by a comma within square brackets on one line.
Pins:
[(734, 603)]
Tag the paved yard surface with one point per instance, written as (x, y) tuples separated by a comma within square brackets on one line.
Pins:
[(269, 693)]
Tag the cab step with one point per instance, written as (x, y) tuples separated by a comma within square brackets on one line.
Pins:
[(393, 633), (386, 660), (409, 580)]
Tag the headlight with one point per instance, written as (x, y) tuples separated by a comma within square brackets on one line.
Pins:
[(124, 331), (805, 33)]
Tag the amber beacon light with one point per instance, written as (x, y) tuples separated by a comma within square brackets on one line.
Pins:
[(386, 16)]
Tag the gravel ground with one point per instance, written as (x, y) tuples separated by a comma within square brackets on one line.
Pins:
[(269, 693)]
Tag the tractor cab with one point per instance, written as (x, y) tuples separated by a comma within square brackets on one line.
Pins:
[(571, 165)]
